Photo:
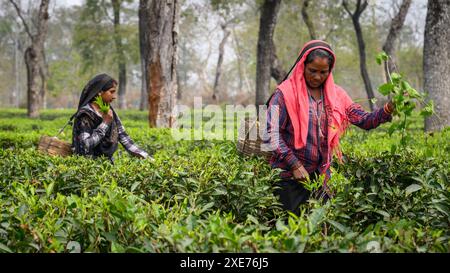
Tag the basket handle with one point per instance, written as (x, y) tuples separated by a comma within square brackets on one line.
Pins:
[(62, 129), (250, 128), (248, 132)]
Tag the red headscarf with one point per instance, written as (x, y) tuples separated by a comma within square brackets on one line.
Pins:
[(296, 98)]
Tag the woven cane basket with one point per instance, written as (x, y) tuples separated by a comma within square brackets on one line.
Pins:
[(54, 146), (249, 141)]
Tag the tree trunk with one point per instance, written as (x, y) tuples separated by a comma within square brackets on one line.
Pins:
[(217, 81), (15, 94), (33, 94), (363, 63), (34, 58), (178, 86), (120, 54), (394, 31), (239, 61), (360, 7), (43, 71), (276, 70), (143, 104), (309, 24), (267, 23), (437, 63), (143, 43), (162, 29)]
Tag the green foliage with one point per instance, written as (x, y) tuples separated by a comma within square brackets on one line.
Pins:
[(403, 98), (202, 196), (382, 57), (94, 36), (104, 107)]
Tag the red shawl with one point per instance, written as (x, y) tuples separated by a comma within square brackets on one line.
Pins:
[(296, 98)]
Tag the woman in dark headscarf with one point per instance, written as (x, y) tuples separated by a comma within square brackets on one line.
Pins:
[(307, 114), (96, 133)]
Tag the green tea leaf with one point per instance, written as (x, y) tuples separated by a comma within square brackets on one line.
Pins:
[(386, 89), (104, 107), (373, 247), (442, 209), (73, 247), (252, 219), (412, 93), (384, 213), (412, 188), (337, 225), (392, 128), (135, 185), (4, 248), (428, 110), (49, 189), (382, 56), (396, 77)]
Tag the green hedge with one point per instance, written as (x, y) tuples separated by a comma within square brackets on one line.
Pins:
[(202, 196)]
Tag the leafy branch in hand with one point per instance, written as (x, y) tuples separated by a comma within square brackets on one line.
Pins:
[(403, 98), (104, 107)]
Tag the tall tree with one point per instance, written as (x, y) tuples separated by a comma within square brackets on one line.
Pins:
[(217, 82), (35, 58), (309, 24), (143, 42), (161, 52), (12, 39), (121, 60), (267, 23), (361, 5), (436, 62), (394, 31), (242, 73), (276, 70), (15, 96)]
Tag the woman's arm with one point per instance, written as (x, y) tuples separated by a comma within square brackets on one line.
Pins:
[(89, 137), (128, 143), (277, 118), (365, 120)]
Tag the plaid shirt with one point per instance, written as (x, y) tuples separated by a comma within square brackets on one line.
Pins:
[(90, 140), (286, 157)]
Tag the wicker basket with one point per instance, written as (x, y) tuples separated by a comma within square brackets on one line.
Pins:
[(249, 141), (54, 146)]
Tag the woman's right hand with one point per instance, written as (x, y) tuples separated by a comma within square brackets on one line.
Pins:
[(107, 118), (300, 173)]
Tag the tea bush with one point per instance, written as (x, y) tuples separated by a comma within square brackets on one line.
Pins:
[(202, 196)]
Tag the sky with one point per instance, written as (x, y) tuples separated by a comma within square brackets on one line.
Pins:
[(69, 2)]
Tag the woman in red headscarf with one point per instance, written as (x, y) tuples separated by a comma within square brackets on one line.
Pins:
[(306, 116)]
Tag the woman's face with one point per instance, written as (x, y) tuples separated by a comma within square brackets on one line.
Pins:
[(109, 95), (316, 73)]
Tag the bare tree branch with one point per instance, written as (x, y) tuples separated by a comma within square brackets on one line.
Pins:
[(25, 25), (105, 9), (359, 8), (307, 20), (394, 32), (364, 6), (332, 29)]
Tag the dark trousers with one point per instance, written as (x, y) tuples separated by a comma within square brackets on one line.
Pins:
[(292, 194)]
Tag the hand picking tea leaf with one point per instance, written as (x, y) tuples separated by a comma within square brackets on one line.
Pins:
[(104, 107)]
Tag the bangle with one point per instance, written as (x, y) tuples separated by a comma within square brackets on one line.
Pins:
[(387, 110), (296, 166)]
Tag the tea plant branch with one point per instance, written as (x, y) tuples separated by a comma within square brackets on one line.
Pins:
[(104, 107), (402, 96)]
